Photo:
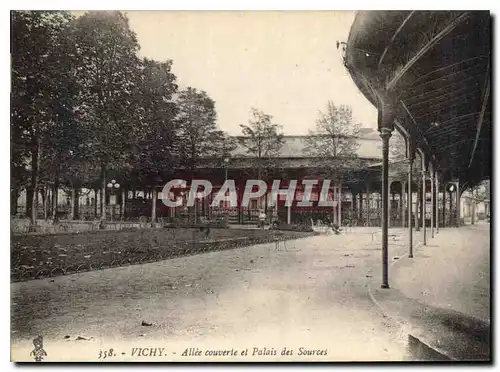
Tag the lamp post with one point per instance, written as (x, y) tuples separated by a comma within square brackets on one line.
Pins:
[(112, 186)]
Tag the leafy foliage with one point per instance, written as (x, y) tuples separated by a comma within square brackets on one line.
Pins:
[(334, 141), (198, 132), (262, 140), (85, 107), (107, 74), (156, 148), (41, 92)]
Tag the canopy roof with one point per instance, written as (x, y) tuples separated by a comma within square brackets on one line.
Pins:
[(294, 146), (434, 66)]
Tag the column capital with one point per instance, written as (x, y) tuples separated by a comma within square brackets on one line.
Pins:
[(385, 132)]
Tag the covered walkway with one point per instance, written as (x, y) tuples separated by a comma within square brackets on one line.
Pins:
[(428, 74), (443, 295)]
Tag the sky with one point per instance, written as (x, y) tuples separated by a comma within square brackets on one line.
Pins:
[(283, 63)]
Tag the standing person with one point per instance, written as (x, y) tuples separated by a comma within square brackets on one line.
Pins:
[(262, 218)]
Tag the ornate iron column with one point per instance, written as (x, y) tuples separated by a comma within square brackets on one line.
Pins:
[(444, 204), (437, 202), (410, 205), (457, 212), (385, 133), (432, 201), (368, 199), (389, 202), (418, 205), (402, 200), (424, 201)]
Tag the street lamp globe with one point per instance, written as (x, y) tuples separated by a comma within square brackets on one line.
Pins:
[(117, 185), (226, 160), (110, 185)]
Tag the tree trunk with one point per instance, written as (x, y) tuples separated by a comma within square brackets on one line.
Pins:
[(14, 195), (76, 204), (29, 201), (45, 196), (35, 168), (71, 215), (124, 198), (103, 192), (55, 195), (95, 203), (153, 207)]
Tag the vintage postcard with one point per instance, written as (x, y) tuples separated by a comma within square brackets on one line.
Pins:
[(294, 186)]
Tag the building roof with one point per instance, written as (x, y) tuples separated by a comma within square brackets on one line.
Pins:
[(433, 67), (294, 146)]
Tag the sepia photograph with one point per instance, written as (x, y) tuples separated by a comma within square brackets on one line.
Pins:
[(250, 186)]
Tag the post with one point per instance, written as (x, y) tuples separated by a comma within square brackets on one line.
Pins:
[(385, 133), (389, 207), (437, 203), (153, 207), (432, 201), (339, 205), (450, 209), (418, 205), (360, 206), (424, 201), (410, 206), (458, 204), (368, 200), (124, 197), (402, 203), (473, 212), (288, 214), (444, 204)]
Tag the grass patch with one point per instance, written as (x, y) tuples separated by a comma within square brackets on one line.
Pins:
[(39, 256)]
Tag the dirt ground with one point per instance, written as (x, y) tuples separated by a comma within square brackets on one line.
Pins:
[(456, 265), (311, 295)]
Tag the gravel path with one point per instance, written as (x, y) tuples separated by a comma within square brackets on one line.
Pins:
[(313, 296), (456, 269)]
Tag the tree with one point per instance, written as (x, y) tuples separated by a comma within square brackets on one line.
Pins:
[(334, 141), (107, 73), (262, 140), (156, 152), (41, 60), (156, 148), (198, 133)]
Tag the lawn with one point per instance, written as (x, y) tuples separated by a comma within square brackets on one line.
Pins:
[(39, 256)]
